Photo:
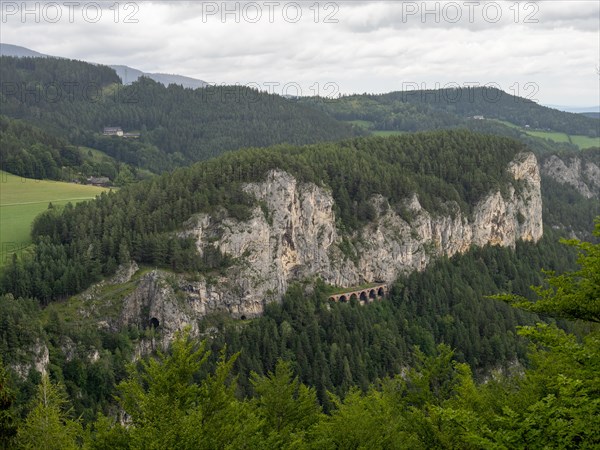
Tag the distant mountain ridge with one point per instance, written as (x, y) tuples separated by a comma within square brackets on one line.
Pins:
[(593, 115), (577, 109), (18, 51), (127, 74), (130, 75)]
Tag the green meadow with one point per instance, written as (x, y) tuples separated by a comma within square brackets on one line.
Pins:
[(556, 136), (585, 141), (578, 140), (22, 199), (552, 135)]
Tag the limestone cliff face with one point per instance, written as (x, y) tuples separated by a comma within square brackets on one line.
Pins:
[(293, 236), (584, 176), (39, 359)]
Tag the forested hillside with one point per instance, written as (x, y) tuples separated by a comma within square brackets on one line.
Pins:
[(430, 401), (437, 360), (336, 347), (333, 347), (31, 152), (76, 100), (496, 104), (90, 240), (446, 108)]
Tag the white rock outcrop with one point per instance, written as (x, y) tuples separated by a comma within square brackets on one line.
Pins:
[(293, 235), (584, 176)]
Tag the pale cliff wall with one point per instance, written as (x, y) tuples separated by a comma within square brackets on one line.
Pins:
[(293, 236), (584, 176)]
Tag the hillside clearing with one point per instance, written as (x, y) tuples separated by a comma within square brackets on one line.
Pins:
[(580, 141)]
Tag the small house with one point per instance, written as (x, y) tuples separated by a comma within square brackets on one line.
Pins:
[(113, 131)]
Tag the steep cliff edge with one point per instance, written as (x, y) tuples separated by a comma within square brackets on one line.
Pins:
[(293, 235), (583, 175)]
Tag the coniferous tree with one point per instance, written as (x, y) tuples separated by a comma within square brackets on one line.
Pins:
[(8, 419), (49, 424)]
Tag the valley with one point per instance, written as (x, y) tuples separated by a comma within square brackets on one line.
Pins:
[(195, 265)]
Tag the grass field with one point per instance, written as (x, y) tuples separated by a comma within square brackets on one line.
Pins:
[(575, 139), (552, 135), (578, 140), (585, 141), (22, 199)]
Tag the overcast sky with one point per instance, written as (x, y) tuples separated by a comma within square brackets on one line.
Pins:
[(547, 50)]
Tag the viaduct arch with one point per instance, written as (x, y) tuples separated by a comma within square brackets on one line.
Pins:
[(363, 296)]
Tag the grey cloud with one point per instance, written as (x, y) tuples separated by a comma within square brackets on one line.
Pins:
[(365, 17), (369, 50)]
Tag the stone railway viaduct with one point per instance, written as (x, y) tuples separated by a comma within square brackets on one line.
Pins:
[(363, 296)]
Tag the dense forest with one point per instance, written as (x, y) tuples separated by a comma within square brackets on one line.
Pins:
[(76, 100), (76, 246), (446, 108), (335, 347), (196, 396), (31, 152)]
